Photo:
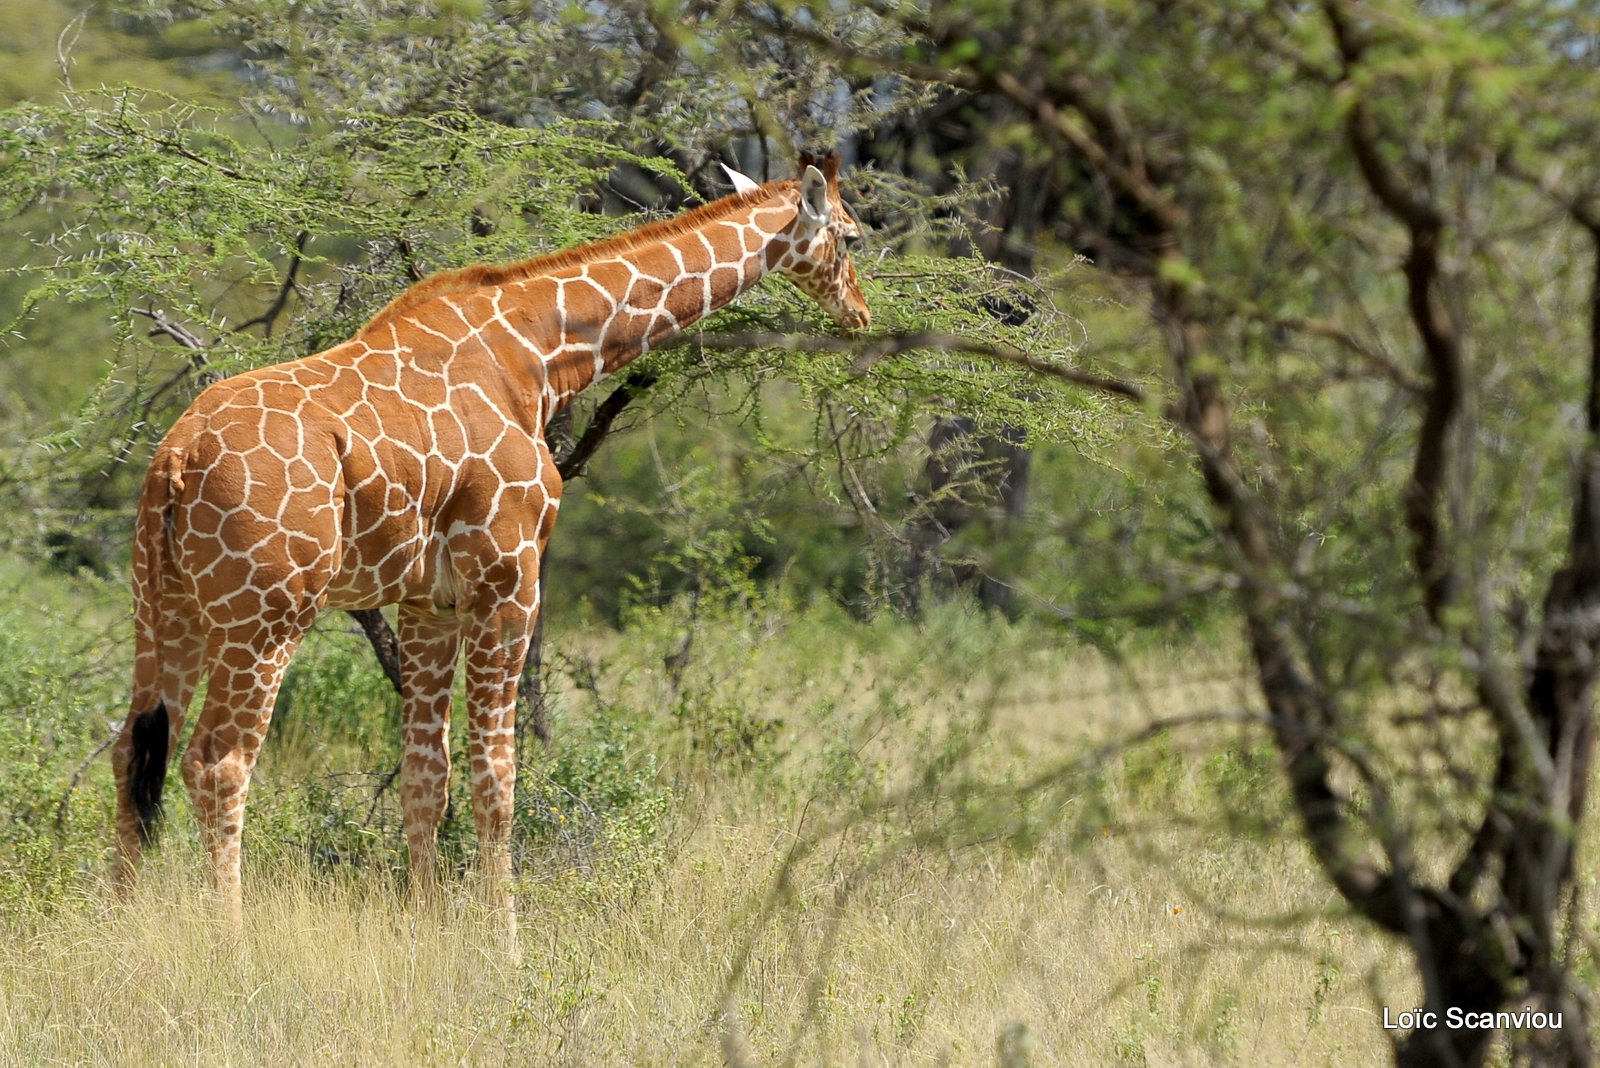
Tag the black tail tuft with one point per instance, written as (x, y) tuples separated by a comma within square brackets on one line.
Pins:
[(147, 768)]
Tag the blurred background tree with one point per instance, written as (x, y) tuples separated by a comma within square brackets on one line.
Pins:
[(1365, 234)]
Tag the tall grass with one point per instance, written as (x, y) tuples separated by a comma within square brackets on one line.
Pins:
[(820, 842), (1099, 957)]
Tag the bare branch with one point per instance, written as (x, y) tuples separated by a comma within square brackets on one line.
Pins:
[(269, 317), (1130, 178), (184, 337), (1327, 330), (177, 332), (77, 777), (384, 643), (66, 41), (1445, 389), (572, 464)]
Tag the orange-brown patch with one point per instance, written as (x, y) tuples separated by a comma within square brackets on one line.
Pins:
[(280, 432), (204, 518), (686, 299), (657, 262), (585, 301), (725, 281), (448, 439), (645, 293), (696, 258)]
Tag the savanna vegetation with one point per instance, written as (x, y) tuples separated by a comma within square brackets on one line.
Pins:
[(1168, 636)]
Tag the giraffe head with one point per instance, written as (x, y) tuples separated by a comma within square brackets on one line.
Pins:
[(820, 238)]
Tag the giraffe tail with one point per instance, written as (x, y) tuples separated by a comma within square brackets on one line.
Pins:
[(149, 728), (147, 767)]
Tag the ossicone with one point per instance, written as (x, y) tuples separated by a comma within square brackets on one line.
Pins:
[(827, 163)]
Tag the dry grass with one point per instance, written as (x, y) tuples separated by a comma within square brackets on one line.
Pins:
[(1101, 958), (1153, 942), (1157, 945)]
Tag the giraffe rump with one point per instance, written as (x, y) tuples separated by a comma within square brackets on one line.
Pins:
[(147, 767)]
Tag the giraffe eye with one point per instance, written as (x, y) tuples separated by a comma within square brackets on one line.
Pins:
[(851, 241)]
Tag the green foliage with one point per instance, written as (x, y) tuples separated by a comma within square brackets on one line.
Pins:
[(34, 865), (1327, 977), (1154, 768), (335, 694), (159, 197), (330, 821), (1244, 780), (593, 816), (1222, 1036), (55, 705)]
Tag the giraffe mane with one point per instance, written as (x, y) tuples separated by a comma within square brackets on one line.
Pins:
[(465, 279)]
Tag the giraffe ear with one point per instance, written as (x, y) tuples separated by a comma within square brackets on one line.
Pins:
[(741, 183), (814, 203)]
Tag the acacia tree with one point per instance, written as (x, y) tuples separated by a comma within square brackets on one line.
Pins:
[(1365, 234), (218, 241), (636, 66)]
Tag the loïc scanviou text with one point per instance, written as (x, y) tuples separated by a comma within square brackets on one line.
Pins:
[(1455, 1019)]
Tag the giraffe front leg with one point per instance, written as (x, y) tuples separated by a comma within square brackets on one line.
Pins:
[(429, 645), (496, 647)]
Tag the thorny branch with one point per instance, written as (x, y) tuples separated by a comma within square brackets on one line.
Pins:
[(870, 350), (267, 319), (184, 337)]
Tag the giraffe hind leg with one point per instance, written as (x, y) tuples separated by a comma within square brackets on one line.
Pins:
[(139, 762), (429, 645), (247, 666), (142, 754)]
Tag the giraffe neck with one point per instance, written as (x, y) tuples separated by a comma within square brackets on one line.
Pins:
[(611, 310)]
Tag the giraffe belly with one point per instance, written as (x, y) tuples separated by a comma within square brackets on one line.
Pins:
[(412, 569), (362, 587), (376, 571)]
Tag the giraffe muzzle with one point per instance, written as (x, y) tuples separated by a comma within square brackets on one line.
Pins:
[(854, 319)]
